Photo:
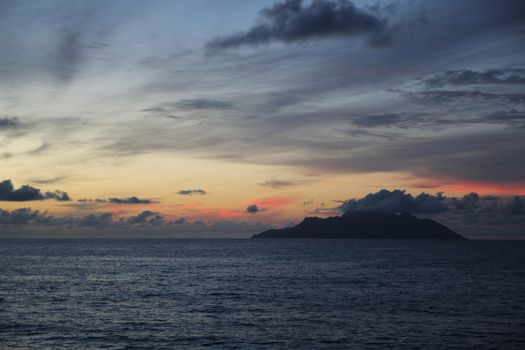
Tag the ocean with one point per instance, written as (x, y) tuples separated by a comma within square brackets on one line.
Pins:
[(261, 294)]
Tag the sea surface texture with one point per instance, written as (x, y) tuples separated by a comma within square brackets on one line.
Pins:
[(261, 294)]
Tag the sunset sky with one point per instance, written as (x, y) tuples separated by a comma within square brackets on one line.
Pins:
[(222, 118)]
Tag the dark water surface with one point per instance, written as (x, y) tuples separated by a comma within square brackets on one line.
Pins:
[(244, 294)]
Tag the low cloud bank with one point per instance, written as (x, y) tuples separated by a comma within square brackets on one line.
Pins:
[(25, 222)]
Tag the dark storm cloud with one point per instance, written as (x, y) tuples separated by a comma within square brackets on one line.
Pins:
[(292, 21), (28, 193), (130, 200), (253, 209), (192, 192), (397, 201), (203, 103), (277, 184), (512, 76)]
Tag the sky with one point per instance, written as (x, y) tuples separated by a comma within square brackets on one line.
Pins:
[(223, 118)]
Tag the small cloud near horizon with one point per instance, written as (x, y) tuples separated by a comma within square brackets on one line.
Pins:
[(192, 192), (253, 209)]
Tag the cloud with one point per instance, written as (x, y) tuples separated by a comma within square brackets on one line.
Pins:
[(192, 192), (511, 117), (88, 200), (450, 96), (130, 200), (25, 222), (292, 21), (23, 216), (465, 157), (28, 193), (92, 220), (472, 214), (57, 195), (203, 103), (277, 184), (399, 120), (146, 217), (397, 201), (48, 181), (9, 122), (57, 43), (253, 209), (512, 76), (516, 207)]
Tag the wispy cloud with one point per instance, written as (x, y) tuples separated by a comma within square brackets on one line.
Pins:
[(277, 184)]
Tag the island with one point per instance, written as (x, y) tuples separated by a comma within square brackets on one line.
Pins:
[(364, 225)]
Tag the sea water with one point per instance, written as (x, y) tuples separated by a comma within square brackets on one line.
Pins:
[(260, 294)]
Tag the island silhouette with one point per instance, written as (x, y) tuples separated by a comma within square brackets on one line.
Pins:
[(364, 225)]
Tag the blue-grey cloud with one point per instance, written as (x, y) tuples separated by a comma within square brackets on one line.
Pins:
[(292, 21)]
